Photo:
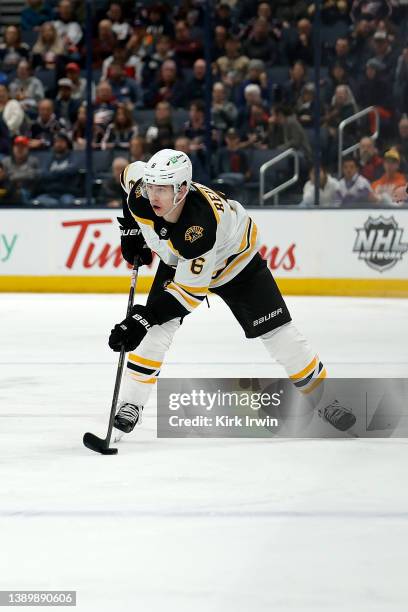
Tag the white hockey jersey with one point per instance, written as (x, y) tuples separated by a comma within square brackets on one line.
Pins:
[(211, 242)]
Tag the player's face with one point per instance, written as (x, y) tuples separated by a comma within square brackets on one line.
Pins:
[(160, 198)]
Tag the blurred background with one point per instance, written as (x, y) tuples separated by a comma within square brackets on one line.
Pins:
[(264, 97)]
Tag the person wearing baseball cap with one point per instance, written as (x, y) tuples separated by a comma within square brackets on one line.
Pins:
[(392, 179), (22, 168), (59, 181), (73, 73), (66, 107)]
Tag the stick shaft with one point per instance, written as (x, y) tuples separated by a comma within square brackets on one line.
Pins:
[(122, 355)]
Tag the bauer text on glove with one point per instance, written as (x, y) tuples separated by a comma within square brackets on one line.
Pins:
[(131, 331), (133, 244)]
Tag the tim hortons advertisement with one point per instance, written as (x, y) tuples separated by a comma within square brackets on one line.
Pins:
[(304, 244)]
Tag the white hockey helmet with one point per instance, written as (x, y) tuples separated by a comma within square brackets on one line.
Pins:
[(168, 167)]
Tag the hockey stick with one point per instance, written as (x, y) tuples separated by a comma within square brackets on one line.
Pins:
[(101, 445)]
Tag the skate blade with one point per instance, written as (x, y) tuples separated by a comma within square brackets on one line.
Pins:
[(117, 435)]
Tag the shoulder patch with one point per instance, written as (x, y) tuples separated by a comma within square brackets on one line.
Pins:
[(193, 233)]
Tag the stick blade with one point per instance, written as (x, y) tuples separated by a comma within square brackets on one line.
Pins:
[(98, 445)]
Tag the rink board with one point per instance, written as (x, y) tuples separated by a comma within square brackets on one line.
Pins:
[(310, 252)]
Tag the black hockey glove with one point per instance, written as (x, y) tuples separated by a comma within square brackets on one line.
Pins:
[(133, 244), (131, 331)]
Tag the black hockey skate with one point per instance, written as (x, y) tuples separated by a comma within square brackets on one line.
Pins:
[(127, 417), (341, 418)]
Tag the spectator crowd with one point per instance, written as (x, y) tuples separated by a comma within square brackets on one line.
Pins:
[(149, 90)]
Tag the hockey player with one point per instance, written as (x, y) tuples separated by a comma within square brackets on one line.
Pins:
[(206, 243)]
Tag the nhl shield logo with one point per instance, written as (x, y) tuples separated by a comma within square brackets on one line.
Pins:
[(379, 243), (193, 233), (163, 232)]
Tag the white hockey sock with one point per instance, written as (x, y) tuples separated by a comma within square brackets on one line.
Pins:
[(291, 349), (144, 364)]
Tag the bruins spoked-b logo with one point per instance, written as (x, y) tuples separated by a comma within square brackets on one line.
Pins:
[(379, 243), (193, 233)]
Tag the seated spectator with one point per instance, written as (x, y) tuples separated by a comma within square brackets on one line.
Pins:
[(401, 80), (160, 135), (124, 89), (120, 27), (79, 131), (338, 75), (342, 55), (342, 106), (354, 189), (256, 75), (12, 112), (12, 50), (285, 131), (78, 90), (383, 51), (223, 112), (260, 43), (111, 192), (263, 11), (195, 86), (152, 62), (35, 14), (156, 21), (254, 125), (361, 44), (370, 163), (169, 88), (252, 96), (300, 47), (60, 180), (27, 89), (132, 64), (385, 186), (186, 49), (328, 190), (104, 44), (402, 146), (375, 90), (5, 139), (223, 15), (233, 61), (194, 128), (105, 104), (197, 156), (220, 37), (21, 167), (400, 197), (305, 106), (292, 89), (140, 43), (45, 127), (9, 194), (69, 31), (231, 161), (121, 130), (195, 21), (49, 48), (370, 11), (66, 107), (137, 150)]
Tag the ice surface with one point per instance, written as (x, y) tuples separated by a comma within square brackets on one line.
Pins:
[(195, 525)]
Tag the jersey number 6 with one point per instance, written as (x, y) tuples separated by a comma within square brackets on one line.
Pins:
[(197, 265)]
